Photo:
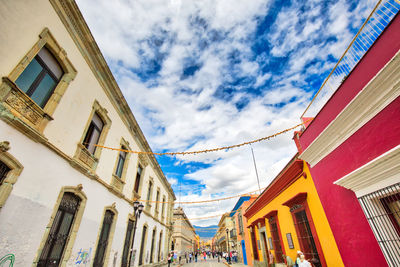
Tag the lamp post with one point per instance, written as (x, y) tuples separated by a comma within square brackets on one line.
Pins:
[(137, 210), (227, 242)]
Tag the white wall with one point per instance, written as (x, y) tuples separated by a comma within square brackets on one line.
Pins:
[(27, 211)]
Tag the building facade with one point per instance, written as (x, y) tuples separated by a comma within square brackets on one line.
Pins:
[(65, 200), (184, 238), (287, 217), (225, 237), (243, 238), (357, 173)]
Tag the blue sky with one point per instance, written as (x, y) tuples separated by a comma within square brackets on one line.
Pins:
[(208, 73)]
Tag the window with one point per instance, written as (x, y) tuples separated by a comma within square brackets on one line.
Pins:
[(59, 231), (93, 133), (142, 245), (163, 207), (4, 169), (240, 219), (149, 192), (276, 241), (152, 245), (254, 243), (137, 180), (305, 236), (33, 89), (121, 162), (40, 77), (159, 248), (103, 240), (157, 199), (382, 210), (128, 241)]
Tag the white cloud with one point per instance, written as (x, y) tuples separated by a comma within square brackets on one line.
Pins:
[(202, 109)]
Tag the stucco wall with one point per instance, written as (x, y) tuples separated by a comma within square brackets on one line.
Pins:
[(27, 211), (352, 232), (286, 223)]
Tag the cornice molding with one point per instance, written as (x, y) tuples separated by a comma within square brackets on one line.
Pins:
[(291, 173), (74, 22), (383, 168), (376, 95)]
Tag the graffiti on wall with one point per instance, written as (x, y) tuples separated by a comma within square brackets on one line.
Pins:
[(83, 257), (7, 260)]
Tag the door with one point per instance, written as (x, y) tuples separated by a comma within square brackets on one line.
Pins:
[(244, 252)]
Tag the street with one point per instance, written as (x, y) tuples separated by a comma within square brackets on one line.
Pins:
[(208, 263)]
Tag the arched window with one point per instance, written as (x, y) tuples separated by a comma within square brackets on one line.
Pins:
[(103, 241), (60, 230)]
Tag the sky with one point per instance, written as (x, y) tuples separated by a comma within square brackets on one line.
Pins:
[(200, 74)]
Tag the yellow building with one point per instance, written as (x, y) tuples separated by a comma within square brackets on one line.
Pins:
[(288, 217)]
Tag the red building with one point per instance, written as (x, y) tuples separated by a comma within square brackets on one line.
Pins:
[(353, 149)]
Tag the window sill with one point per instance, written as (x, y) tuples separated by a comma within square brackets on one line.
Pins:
[(135, 196), (21, 108), (87, 158), (117, 183)]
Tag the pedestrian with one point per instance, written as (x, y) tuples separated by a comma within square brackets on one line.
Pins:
[(195, 257), (190, 257), (304, 262), (205, 256), (271, 258), (288, 260), (299, 253), (169, 259)]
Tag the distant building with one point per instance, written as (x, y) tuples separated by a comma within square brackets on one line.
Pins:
[(243, 238), (226, 232), (64, 199), (184, 238)]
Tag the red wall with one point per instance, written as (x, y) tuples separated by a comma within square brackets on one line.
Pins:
[(382, 51), (354, 237)]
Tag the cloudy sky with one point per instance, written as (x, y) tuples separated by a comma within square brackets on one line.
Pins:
[(208, 73)]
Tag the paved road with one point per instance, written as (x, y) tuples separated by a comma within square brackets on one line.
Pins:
[(208, 263)]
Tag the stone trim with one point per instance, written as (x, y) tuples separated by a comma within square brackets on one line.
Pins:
[(19, 109), (12, 176), (118, 182), (379, 173), (148, 204), (81, 153), (383, 89), (113, 209), (77, 190)]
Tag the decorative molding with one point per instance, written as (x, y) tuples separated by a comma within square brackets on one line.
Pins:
[(144, 160), (376, 95), (4, 146), (375, 174)]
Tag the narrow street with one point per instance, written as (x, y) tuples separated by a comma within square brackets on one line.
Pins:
[(208, 263)]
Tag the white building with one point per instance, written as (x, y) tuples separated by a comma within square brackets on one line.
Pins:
[(184, 235), (63, 200)]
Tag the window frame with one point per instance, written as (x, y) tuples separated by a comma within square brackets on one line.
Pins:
[(11, 177), (78, 191), (30, 117), (118, 182), (82, 155), (112, 209)]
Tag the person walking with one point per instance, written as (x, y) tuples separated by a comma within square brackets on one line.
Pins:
[(195, 257), (169, 259), (205, 256)]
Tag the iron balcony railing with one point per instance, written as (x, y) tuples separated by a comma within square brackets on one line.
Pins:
[(380, 17)]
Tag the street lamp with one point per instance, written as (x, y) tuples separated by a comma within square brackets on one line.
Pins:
[(137, 210), (229, 254)]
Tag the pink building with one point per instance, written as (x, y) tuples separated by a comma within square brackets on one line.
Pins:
[(353, 149)]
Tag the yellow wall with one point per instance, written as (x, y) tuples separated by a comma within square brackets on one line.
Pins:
[(286, 224)]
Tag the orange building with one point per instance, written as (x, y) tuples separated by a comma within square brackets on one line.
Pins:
[(287, 217), (243, 238)]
